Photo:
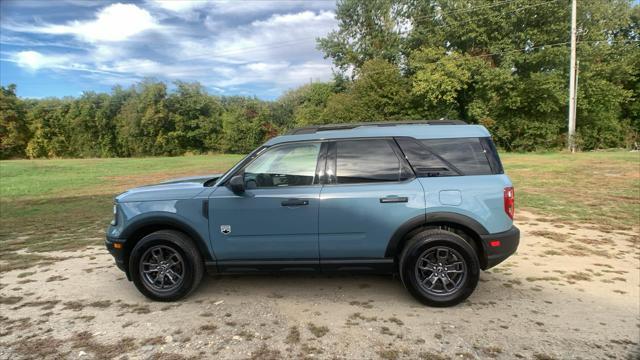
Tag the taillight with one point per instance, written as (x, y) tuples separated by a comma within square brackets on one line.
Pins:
[(509, 201)]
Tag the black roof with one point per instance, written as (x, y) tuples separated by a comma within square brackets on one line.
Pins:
[(328, 127)]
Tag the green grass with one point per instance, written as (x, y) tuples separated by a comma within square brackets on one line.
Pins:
[(29, 179), (602, 188), (66, 204)]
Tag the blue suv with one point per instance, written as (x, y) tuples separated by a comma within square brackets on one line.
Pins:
[(428, 200)]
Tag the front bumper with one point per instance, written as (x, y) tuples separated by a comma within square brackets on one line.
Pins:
[(117, 253), (498, 247)]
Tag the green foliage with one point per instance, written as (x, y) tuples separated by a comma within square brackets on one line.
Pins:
[(440, 77), (377, 26), (50, 133), (146, 119), (307, 103), (197, 118), (501, 64), (13, 127), (379, 93), (244, 125)]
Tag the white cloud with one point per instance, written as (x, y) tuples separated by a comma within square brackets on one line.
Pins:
[(281, 37), (116, 22), (305, 17), (236, 7), (46, 4), (281, 74), (178, 5), (212, 42), (34, 60), (184, 9), (262, 67)]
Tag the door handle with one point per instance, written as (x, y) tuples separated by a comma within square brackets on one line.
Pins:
[(394, 199), (294, 202)]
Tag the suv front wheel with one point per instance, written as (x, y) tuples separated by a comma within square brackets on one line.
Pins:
[(165, 265), (439, 268)]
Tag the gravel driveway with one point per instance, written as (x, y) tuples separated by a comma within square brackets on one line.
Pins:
[(571, 291)]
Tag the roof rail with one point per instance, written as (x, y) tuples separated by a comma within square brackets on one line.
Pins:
[(347, 126)]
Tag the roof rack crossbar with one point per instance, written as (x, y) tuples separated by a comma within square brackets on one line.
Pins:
[(346, 126)]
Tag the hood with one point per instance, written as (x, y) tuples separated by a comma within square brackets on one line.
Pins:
[(201, 179), (174, 189)]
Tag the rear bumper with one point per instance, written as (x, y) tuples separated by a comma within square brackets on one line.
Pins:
[(118, 254), (508, 244)]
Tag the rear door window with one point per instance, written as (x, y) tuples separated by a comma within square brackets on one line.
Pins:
[(368, 161)]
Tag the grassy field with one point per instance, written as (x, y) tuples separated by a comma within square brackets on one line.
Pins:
[(64, 204), (602, 188)]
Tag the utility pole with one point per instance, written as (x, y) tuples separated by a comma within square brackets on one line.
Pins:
[(572, 81)]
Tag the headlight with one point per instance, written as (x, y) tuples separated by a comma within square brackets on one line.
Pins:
[(115, 215)]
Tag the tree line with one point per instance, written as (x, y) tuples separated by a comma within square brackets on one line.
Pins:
[(501, 64)]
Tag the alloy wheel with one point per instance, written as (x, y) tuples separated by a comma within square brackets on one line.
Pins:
[(441, 270), (162, 268)]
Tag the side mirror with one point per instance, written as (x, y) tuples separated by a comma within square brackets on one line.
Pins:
[(236, 184)]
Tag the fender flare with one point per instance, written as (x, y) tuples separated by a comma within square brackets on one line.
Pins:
[(167, 221), (431, 218)]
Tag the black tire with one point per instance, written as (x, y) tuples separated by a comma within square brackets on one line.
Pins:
[(171, 244), (462, 263)]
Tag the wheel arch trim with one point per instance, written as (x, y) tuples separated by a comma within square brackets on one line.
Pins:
[(410, 225), (160, 221)]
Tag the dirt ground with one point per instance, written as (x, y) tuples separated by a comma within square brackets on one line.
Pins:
[(570, 292)]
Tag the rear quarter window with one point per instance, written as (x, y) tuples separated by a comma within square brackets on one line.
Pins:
[(451, 157), (466, 154)]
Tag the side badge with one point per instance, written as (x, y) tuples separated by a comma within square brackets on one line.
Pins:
[(225, 229)]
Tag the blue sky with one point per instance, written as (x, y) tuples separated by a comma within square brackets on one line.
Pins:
[(262, 48)]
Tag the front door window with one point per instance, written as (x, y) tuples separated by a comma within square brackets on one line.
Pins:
[(285, 165)]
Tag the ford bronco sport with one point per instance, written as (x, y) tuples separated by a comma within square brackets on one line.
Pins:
[(427, 200)]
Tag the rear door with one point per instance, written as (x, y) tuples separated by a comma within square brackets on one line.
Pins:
[(370, 192)]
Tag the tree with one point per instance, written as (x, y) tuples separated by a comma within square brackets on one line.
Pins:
[(244, 124), (366, 30), (378, 93), (144, 125), (503, 64), (14, 133), (196, 116), (49, 129), (307, 103)]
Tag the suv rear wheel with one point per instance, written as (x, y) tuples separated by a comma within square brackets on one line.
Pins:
[(165, 265), (439, 268)]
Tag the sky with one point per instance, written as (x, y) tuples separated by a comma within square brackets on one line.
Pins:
[(252, 48)]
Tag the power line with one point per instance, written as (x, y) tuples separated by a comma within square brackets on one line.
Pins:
[(543, 46), (432, 17), (502, 13), (529, 48), (478, 7)]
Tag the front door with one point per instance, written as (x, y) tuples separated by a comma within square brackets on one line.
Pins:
[(276, 219), (371, 192)]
